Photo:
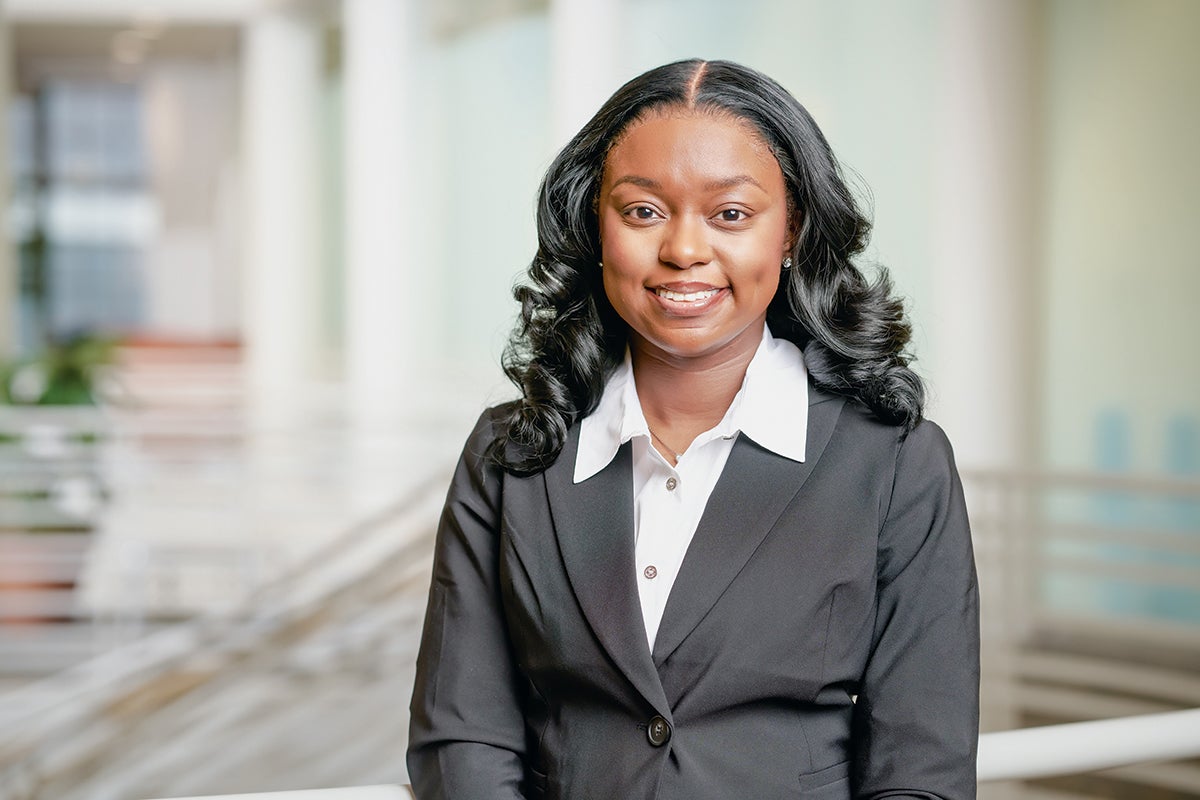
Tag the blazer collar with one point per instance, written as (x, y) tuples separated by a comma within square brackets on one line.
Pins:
[(593, 521)]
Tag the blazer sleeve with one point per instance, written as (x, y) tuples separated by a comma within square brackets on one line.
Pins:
[(466, 736), (916, 719)]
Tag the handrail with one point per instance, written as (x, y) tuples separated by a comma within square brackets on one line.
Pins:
[(1041, 752), (392, 792), (1089, 480), (1077, 747)]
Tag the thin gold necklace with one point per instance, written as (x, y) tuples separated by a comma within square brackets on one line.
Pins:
[(667, 447)]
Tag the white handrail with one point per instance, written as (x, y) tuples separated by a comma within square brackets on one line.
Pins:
[(1067, 749), (1078, 747), (1041, 752), (348, 793)]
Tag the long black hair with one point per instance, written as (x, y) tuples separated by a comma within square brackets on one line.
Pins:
[(568, 339)]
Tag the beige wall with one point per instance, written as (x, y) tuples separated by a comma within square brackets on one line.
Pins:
[(1120, 194)]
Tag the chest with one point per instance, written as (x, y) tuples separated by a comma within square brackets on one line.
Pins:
[(774, 594)]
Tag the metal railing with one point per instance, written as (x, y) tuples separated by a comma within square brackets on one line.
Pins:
[(1079, 747), (1042, 752), (348, 793)]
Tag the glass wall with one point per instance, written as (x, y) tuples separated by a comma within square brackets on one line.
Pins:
[(83, 214)]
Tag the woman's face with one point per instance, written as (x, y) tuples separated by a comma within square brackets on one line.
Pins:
[(693, 228)]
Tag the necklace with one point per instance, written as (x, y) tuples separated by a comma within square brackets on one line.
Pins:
[(666, 447)]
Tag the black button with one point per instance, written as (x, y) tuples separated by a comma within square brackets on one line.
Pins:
[(658, 731)]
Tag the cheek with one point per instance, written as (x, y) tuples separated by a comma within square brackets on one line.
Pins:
[(610, 279), (619, 247), (623, 290), (768, 284), (760, 267), (768, 254), (771, 279), (760, 284), (625, 260)]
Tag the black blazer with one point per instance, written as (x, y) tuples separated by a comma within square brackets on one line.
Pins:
[(821, 639)]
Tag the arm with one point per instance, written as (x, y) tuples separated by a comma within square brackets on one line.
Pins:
[(467, 736), (916, 721)]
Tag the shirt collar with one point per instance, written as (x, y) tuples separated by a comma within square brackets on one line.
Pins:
[(771, 408)]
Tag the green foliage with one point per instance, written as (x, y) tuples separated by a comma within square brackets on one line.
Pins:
[(65, 374)]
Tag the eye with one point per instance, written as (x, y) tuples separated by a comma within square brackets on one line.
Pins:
[(641, 213), (732, 215)]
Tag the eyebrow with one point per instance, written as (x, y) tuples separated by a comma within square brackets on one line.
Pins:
[(723, 183), (729, 183), (637, 180)]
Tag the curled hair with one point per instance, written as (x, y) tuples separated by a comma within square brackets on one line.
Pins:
[(568, 338)]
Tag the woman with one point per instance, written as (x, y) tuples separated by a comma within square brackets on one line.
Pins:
[(713, 551)]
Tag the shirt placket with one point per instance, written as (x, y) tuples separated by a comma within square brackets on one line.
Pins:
[(658, 540)]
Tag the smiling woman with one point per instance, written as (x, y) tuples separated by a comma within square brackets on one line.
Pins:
[(693, 231), (713, 550)]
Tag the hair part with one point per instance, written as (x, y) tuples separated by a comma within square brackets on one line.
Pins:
[(567, 340), (694, 84)]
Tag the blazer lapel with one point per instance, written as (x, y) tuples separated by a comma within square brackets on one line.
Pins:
[(593, 521), (751, 494)]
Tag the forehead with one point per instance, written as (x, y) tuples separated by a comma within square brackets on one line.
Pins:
[(690, 141)]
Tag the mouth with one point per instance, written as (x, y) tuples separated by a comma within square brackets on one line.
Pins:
[(688, 299)]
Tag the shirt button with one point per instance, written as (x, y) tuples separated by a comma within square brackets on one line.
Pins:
[(658, 731), (672, 483), (651, 572)]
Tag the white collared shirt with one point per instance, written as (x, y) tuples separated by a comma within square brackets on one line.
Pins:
[(668, 501)]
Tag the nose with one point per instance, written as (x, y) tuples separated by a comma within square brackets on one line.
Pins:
[(685, 243)]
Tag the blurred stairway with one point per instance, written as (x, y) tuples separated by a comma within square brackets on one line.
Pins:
[(252, 582), (64, 471)]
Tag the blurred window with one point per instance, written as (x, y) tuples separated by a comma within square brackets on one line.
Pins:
[(83, 211)]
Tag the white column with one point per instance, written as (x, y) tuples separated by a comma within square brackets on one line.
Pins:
[(8, 257), (585, 54), (982, 329), (389, 322), (281, 73)]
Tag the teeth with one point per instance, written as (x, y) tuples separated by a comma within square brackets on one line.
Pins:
[(689, 297)]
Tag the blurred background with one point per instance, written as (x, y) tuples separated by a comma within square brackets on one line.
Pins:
[(255, 279)]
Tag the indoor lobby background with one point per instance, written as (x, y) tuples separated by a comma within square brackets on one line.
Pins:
[(256, 277)]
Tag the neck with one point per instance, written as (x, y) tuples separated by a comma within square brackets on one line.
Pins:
[(681, 400)]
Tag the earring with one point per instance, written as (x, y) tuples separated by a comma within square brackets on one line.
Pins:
[(787, 263), (601, 263)]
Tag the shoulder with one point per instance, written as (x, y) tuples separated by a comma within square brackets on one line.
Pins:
[(478, 472), (495, 441), (926, 510), (857, 427), (924, 442), (915, 467), (489, 427), (925, 450)]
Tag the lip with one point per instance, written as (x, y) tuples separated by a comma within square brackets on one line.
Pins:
[(684, 308), (685, 286)]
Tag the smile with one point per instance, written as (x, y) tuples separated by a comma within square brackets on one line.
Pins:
[(683, 300), (686, 297)]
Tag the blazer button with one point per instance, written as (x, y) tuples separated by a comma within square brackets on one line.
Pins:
[(658, 731)]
